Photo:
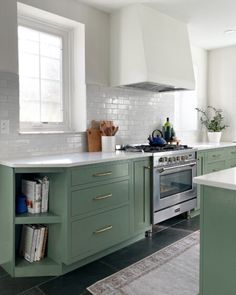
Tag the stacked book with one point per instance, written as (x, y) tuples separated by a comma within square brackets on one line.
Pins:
[(36, 192), (33, 242)]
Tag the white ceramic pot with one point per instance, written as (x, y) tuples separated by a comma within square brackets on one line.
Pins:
[(214, 137), (108, 144)]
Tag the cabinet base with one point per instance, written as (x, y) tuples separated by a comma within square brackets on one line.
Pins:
[(68, 268), (48, 267)]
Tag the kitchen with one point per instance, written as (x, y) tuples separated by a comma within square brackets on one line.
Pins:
[(136, 112)]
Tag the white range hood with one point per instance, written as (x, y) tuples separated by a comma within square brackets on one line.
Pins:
[(150, 50)]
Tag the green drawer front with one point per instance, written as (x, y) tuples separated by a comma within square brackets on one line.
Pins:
[(216, 155), (96, 233), (231, 153), (216, 166), (103, 196), (231, 163), (89, 174)]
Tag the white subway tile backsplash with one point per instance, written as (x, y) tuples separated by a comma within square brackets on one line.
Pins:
[(136, 113)]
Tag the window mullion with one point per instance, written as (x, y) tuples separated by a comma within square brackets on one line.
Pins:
[(40, 84)]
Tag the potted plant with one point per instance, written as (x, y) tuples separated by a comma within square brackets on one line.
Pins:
[(213, 123)]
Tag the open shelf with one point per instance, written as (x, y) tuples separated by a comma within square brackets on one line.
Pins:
[(44, 267), (28, 218)]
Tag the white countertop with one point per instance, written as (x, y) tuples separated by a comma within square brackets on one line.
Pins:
[(70, 160), (201, 146), (221, 179), (77, 159)]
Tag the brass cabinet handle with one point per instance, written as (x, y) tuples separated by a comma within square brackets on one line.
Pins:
[(147, 167), (102, 174), (215, 156), (102, 230), (98, 198), (233, 153)]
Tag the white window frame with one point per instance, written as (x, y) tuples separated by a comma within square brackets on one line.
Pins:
[(76, 104), (67, 56)]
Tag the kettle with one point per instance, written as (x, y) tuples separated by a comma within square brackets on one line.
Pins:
[(157, 138)]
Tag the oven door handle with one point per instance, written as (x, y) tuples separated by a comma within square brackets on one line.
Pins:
[(161, 170)]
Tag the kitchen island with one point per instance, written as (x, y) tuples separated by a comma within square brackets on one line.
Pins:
[(217, 232)]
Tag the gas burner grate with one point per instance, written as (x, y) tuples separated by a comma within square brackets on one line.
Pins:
[(155, 149)]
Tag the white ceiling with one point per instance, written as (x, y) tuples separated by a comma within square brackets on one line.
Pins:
[(207, 19)]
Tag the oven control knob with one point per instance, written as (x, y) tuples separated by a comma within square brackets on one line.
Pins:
[(182, 158), (174, 159), (161, 160), (177, 158), (186, 157), (165, 159), (169, 159)]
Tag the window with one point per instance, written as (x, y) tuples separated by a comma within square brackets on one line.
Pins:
[(185, 104), (42, 68), (51, 54)]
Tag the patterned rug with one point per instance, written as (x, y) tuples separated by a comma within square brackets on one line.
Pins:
[(173, 270)]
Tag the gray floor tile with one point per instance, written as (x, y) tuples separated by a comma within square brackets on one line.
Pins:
[(33, 291)]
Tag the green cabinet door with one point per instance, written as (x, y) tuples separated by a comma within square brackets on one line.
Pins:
[(200, 165), (142, 194)]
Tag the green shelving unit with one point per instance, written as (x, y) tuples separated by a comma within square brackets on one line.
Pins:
[(40, 218)]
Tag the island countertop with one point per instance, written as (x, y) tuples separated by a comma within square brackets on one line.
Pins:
[(222, 179), (70, 160)]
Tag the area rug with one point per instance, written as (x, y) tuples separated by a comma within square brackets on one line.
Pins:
[(173, 270)]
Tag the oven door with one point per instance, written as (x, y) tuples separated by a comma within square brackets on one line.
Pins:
[(173, 185)]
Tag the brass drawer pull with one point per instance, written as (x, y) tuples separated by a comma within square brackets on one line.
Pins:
[(98, 198), (147, 167), (102, 230), (233, 153), (214, 156), (102, 174)]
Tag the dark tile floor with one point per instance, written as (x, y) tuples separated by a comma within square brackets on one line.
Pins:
[(75, 282)]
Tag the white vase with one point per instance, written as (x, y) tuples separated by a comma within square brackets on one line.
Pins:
[(214, 137)]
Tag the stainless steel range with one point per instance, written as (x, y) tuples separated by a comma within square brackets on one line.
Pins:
[(174, 192), (173, 189)]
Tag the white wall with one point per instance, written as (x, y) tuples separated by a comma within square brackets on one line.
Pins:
[(8, 36), (222, 86), (200, 62)]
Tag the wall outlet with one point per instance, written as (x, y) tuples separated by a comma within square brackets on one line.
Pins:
[(4, 127)]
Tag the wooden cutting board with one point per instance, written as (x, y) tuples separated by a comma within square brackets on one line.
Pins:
[(94, 140)]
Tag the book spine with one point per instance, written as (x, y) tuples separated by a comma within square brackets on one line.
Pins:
[(28, 242), (38, 197), (37, 243), (33, 245), (44, 243), (45, 192), (29, 190), (40, 247)]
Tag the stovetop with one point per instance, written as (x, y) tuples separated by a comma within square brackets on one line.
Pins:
[(155, 149)]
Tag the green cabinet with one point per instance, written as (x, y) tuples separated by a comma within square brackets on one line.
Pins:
[(213, 160), (98, 232), (94, 210), (142, 190), (218, 241)]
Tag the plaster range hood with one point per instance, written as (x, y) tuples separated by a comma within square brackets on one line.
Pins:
[(150, 50)]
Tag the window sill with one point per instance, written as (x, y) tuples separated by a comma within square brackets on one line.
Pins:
[(47, 132)]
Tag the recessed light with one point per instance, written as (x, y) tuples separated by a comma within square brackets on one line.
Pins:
[(228, 32)]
